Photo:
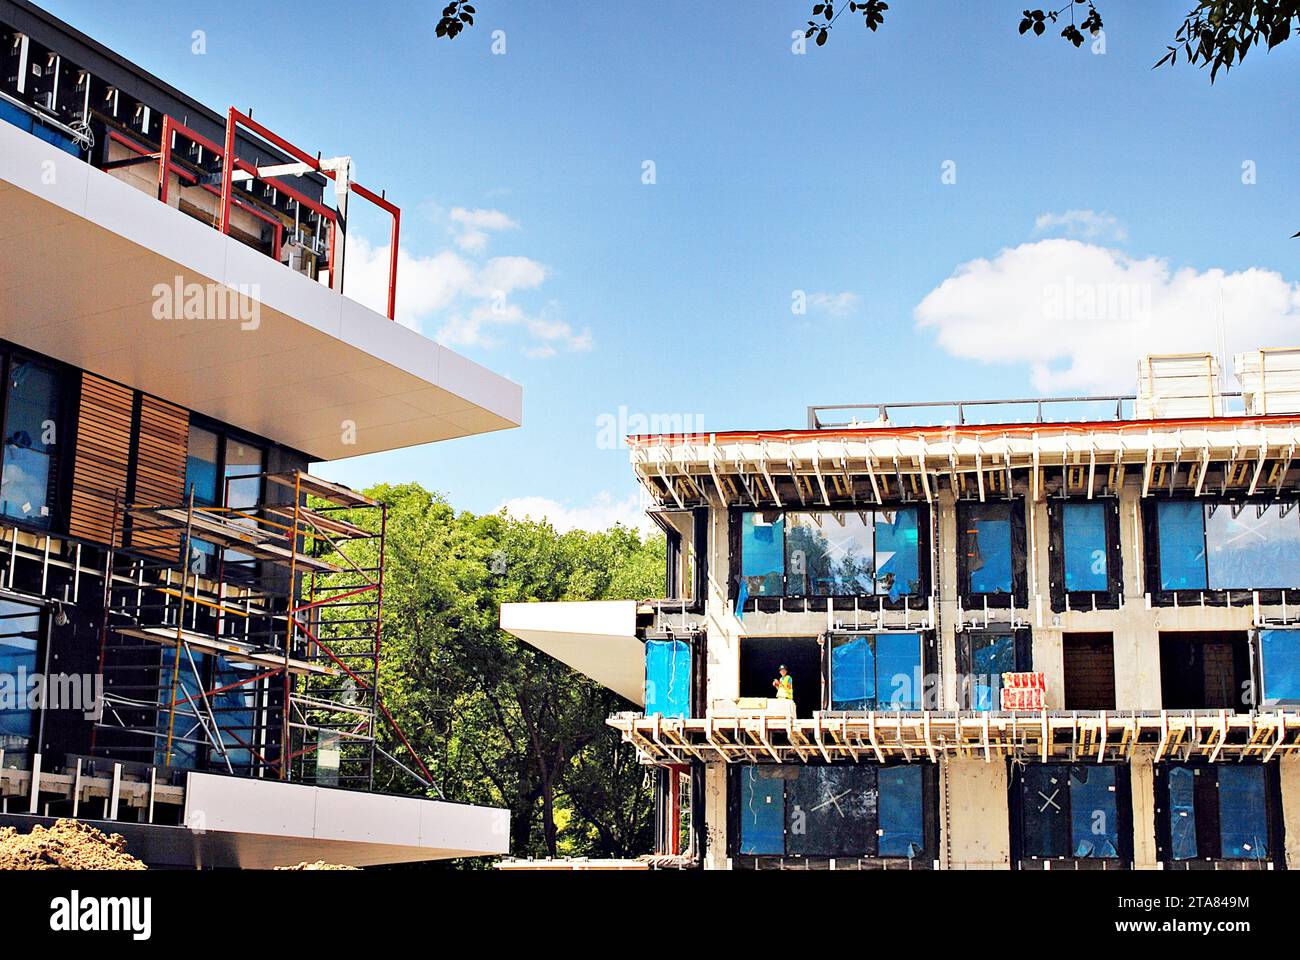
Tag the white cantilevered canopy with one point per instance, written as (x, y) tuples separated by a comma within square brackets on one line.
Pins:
[(597, 638), (84, 255)]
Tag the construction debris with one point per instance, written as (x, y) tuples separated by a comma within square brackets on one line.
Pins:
[(68, 845), (319, 865)]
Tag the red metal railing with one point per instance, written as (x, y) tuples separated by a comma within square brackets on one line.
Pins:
[(230, 162)]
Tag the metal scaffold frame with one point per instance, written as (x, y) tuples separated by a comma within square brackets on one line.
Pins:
[(248, 638)]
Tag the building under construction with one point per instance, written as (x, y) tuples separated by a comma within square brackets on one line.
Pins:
[(198, 615), (1032, 634)]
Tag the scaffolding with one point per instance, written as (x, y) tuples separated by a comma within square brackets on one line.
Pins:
[(246, 639)]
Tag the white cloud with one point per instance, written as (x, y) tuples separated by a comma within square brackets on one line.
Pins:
[(835, 304), (475, 225), (1081, 315), (471, 301), (601, 514), (1082, 225)]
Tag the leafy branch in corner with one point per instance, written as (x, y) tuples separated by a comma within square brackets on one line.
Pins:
[(1219, 33), (456, 16)]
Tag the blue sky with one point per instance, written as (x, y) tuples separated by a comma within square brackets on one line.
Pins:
[(537, 249)]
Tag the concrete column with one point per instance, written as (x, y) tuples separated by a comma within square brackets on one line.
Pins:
[(715, 815), (1289, 768), (975, 822), (1142, 775)]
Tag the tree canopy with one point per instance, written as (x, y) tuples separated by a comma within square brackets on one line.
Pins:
[(496, 721)]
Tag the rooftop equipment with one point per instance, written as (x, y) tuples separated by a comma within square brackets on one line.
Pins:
[(1178, 385)]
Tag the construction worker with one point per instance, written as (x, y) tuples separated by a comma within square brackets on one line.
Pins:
[(784, 685)]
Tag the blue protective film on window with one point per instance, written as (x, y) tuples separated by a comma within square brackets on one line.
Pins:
[(1182, 544), (990, 658), (185, 728), (1253, 546), (1084, 536), (898, 558), (762, 812), (853, 674), (1094, 812), (988, 557), (32, 408), (1182, 813), (20, 626), (902, 818), (830, 554), (1279, 651), (668, 678), (898, 671), (1243, 816), (762, 555)]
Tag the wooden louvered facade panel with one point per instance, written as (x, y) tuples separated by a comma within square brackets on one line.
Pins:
[(103, 453), (161, 447)]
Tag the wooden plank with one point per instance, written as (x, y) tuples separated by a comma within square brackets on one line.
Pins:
[(99, 472)]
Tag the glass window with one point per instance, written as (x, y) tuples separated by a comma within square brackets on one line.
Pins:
[(1243, 817), (1094, 813), (898, 559), (20, 632), (1182, 812), (831, 811), (1251, 546), (987, 542), (201, 467), (990, 657), (243, 469), (1084, 535), (235, 708), (898, 671), (668, 678), (762, 811), (902, 812), (1279, 652), (30, 437), (1045, 798), (1182, 545), (762, 554), (186, 731), (830, 554), (853, 674)]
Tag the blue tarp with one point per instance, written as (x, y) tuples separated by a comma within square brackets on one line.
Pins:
[(1094, 813), (762, 813), (1280, 652), (1243, 818), (853, 674), (898, 571), (762, 555), (1182, 813), (1084, 536), (992, 657), (24, 121), (1182, 545), (989, 551), (668, 678), (898, 671)]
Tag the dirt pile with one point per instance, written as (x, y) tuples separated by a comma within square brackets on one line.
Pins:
[(68, 845), (319, 865)]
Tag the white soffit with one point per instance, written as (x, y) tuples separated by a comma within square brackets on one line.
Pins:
[(82, 253), (596, 638), (279, 824)]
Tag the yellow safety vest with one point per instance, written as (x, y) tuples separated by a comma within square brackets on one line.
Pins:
[(785, 688)]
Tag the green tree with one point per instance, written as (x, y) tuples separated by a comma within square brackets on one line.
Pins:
[(496, 721)]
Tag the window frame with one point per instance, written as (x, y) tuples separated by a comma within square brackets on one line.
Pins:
[(1084, 600), (1022, 646), (1273, 814), (770, 603), (1210, 596), (67, 399), (1123, 826), (929, 818), (927, 697), (1018, 598)]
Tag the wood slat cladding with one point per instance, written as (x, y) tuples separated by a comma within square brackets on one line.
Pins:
[(162, 441), (103, 453)]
